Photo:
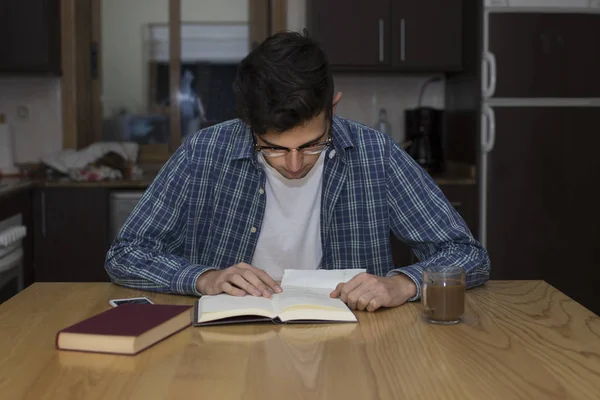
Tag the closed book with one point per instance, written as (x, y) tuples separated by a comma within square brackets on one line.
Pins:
[(126, 329)]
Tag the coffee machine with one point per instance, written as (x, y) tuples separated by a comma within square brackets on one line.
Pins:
[(424, 130)]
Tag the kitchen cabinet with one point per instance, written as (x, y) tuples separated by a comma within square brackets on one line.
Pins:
[(382, 35), (463, 198), (352, 33), (30, 36), (427, 35), (71, 235), (545, 54), (542, 222)]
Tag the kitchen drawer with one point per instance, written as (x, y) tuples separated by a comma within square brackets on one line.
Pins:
[(71, 236)]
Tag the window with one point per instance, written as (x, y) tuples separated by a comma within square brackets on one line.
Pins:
[(160, 69)]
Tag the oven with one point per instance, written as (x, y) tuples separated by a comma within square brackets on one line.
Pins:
[(12, 233)]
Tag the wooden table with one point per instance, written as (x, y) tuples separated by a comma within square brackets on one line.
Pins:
[(519, 340)]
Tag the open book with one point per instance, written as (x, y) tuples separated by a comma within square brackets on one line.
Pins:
[(304, 299)]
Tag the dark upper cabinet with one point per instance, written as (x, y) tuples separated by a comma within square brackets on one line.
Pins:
[(71, 234), (545, 54), (382, 35), (427, 34), (352, 32), (30, 36)]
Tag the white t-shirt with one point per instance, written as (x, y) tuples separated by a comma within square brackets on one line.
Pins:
[(290, 237)]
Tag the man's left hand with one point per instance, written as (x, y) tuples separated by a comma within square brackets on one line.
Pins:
[(370, 292)]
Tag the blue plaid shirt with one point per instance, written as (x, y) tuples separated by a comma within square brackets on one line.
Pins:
[(205, 209)]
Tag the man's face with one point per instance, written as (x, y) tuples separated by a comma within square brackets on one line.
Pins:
[(295, 165)]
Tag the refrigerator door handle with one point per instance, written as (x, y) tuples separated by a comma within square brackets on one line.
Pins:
[(381, 44), (489, 74), (488, 131), (488, 134)]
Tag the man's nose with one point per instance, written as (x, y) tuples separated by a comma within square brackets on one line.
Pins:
[(293, 161)]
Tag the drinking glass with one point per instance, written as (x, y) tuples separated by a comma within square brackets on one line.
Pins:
[(443, 294)]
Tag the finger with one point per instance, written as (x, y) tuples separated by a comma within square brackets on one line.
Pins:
[(251, 277), (264, 277), (243, 284), (374, 304), (364, 300), (337, 291), (356, 294), (232, 290), (350, 286)]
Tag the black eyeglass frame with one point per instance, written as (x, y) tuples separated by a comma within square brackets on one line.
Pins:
[(286, 150)]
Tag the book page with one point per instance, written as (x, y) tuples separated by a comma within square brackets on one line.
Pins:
[(296, 303), (307, 298), (221, 306), (321, 278)]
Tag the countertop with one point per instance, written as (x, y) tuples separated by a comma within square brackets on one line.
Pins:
[(517, 340), (12, 185), (455, 175)]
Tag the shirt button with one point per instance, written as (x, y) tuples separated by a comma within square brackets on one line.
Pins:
[(261, 191), (253, 230)]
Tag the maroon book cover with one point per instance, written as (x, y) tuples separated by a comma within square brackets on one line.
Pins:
[(127, 319)]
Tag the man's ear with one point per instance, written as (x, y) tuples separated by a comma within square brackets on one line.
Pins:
[(336, 99)]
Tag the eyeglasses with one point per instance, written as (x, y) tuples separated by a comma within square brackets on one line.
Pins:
[(306, 149)]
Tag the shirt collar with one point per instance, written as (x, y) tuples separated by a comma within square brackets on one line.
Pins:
[(244, 144)]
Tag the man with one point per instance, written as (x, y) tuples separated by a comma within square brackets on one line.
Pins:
[(289, 185)]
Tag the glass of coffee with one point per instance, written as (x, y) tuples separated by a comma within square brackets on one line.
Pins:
[(443, 294)]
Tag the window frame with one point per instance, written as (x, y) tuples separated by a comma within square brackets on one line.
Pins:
[(81, 85)]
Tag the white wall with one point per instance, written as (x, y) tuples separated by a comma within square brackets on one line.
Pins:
[(363, 97), (41, 132), (124, 63)]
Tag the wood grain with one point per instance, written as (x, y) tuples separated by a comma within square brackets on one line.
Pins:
[(519, 340)]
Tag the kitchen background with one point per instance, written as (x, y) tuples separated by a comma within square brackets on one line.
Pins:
[(32, 105), (509, 87)]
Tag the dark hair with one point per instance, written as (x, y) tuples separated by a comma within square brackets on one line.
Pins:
[(283, 83)]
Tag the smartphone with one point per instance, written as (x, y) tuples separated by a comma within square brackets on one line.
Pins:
[(135, 300)]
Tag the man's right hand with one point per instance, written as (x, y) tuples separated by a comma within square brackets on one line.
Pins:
[(237, 280)]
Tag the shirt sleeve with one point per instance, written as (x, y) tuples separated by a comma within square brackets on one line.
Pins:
[(422, 217), (148, 252)]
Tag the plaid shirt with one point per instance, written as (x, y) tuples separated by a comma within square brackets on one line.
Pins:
[(205, 209)]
